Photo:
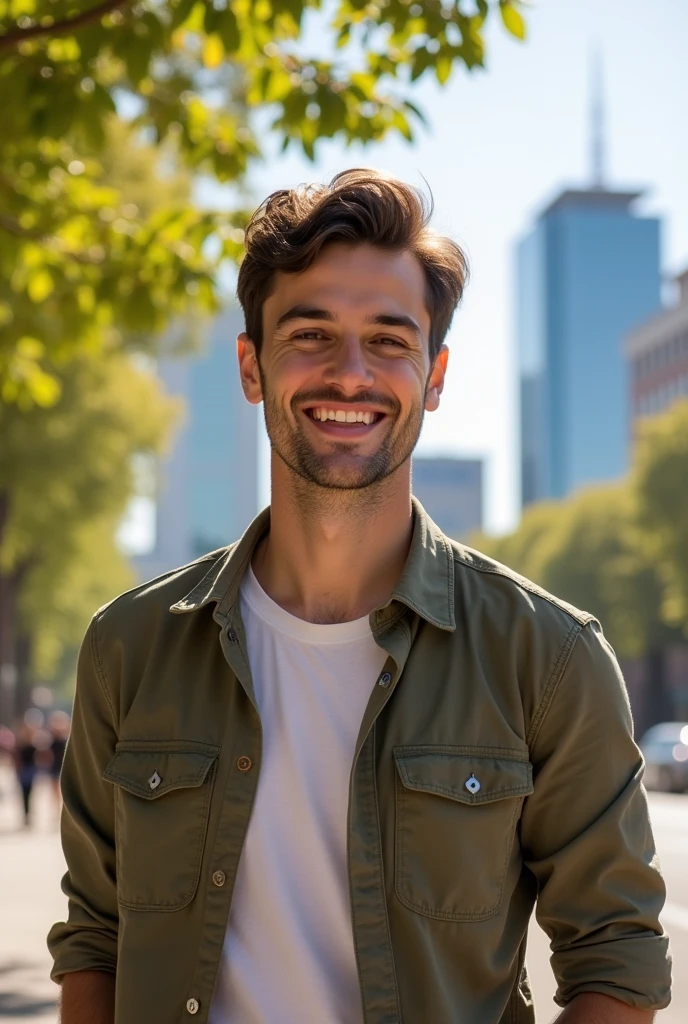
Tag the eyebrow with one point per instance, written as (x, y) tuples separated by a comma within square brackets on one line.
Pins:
[(303, 312)]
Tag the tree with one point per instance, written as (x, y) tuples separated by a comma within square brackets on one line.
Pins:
[(65, 478), (660, 478), (209, 80)]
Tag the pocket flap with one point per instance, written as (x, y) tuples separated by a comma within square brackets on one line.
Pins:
[(474, 775), (149, 769)]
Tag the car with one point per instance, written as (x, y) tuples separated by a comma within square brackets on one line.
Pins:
[(665, 749)]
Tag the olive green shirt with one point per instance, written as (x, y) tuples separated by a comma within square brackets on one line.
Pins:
[(494, 771)]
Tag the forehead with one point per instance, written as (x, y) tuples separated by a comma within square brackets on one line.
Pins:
[(348, 279)]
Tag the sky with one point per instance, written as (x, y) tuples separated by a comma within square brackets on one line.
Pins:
[(501, 143)]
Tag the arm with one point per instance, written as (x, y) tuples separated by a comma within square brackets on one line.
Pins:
[(88, 997), (586, 838), (594, 1008), (87, 941)]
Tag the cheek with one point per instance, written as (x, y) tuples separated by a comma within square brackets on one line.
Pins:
[(407, 379)]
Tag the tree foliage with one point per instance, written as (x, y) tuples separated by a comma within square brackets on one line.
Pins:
[(207, 81), (661, 483), (65, 478)]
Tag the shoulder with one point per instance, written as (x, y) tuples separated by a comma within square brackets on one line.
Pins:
[(511, 606), (491, 579), (149, 603)]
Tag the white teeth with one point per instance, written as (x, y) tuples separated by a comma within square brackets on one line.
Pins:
[(342, 416)]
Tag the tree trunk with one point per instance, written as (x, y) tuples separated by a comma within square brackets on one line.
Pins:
[(24, 649), (659, 703), (8, 613)]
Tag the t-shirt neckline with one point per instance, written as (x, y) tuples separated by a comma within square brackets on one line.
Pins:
[(299, 629)]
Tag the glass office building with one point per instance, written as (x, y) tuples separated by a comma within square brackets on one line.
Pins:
[(450, 490), (208, 483), (587, 272)]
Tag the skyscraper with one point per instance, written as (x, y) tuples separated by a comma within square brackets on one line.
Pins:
[(657, 354), (207, 489), (587, 271), (450, 490)]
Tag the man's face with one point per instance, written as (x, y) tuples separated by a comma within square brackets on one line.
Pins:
[(344, 368)]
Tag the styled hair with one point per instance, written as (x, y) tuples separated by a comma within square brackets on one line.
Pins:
[(291, 227)]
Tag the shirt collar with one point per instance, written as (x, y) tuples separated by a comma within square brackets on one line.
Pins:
[(426, 584)]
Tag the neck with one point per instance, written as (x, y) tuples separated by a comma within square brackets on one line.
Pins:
[(334, 556)]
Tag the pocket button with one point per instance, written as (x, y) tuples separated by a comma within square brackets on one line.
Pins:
[(472, 784)]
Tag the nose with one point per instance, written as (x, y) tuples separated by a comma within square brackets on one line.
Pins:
[(348, 368)]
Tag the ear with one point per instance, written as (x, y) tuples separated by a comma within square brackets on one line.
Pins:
[(435, 383), (248, 369)]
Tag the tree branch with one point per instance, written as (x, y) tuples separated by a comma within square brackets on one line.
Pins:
[(10, 40)]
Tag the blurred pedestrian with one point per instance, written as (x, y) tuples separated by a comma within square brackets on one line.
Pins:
[(25, 756), (58, 726)]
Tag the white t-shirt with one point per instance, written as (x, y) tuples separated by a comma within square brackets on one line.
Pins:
[(288, 956)]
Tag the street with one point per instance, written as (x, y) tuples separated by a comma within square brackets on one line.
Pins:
[(31, 866)]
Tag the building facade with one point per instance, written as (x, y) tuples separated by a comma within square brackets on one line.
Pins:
[(451, 492), (587, 272), (207, 486), (657, 355)]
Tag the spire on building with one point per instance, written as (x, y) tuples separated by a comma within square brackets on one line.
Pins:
[(597, 140)]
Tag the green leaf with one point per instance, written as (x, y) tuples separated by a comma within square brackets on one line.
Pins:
[(513, 22), (181, 12), (228, 31), (40, 285), (213, 51), (443, 68)]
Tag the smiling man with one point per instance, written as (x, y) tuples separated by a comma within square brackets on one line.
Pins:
[(323, 776)]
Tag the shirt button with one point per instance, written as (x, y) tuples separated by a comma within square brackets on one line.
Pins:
[(472, 784), (192, 1006), (385, 679), (219, 878), (244, 763)]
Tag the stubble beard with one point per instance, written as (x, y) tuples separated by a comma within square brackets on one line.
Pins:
[(340, 474)]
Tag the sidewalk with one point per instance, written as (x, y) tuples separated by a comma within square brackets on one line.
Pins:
[(31, 866)]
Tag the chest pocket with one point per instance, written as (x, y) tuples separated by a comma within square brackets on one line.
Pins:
[(456, 815), (162, 804)]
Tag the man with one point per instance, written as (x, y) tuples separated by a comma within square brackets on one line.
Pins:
[(322, 776)]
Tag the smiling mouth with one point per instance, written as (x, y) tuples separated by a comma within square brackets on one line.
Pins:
[(344, 418)]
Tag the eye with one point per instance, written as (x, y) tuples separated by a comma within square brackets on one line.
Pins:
[(309, 336), (387, 341)]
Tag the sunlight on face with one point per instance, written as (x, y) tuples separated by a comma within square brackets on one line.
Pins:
[(344, 368)]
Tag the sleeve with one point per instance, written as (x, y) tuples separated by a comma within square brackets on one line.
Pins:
[(88, 939), (587, 838)]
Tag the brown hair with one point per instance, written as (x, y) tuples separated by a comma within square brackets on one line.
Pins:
[(291, 227)]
